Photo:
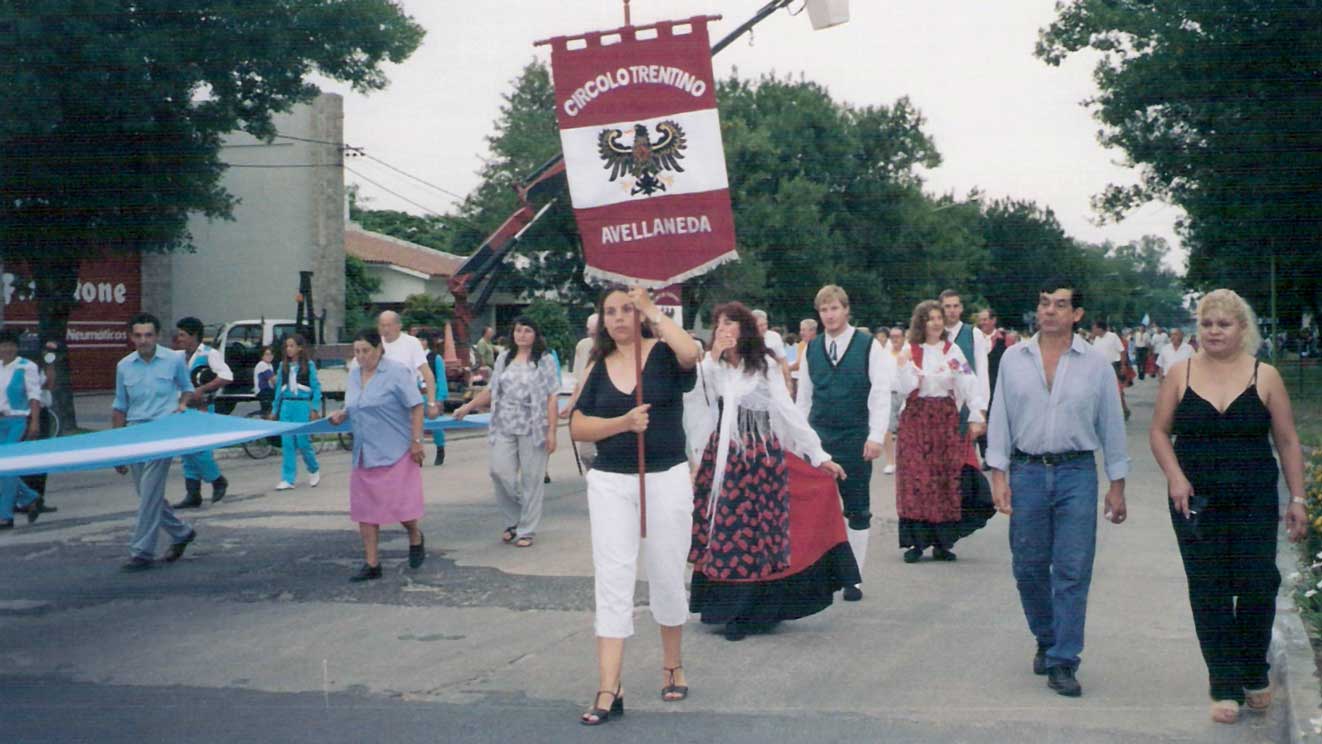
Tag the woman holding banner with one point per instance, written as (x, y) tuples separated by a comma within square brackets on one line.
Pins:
[(608, 415), (754, 566)]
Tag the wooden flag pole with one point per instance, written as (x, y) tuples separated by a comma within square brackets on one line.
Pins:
[(638, 401)]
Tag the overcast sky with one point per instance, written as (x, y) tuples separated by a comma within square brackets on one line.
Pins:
[(1004, 121)]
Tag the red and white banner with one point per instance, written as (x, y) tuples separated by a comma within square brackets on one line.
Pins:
[(643, 154)]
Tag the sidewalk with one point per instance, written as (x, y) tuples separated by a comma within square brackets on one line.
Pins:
[(257, 628)]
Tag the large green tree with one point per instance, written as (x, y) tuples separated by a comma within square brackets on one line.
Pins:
[(112, 114), (1218, 105)]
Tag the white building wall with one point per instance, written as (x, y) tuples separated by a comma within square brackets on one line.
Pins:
[(290, 218)]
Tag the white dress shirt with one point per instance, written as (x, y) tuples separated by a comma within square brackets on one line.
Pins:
[(981, 348), (1169, 356), (881, 373), (1110, 346)]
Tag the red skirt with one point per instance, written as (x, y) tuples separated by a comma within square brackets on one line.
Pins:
[(929, 454), (811, 555)]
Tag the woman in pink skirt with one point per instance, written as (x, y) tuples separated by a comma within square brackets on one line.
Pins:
[(384, 409)]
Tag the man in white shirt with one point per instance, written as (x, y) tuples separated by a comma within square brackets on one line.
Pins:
[(973, 344), (775, 344), (1104, 340), (1159, 339), (807, 332), (407, 350), (201, 466), (840, 370), (1173, 353), (1142, 345)]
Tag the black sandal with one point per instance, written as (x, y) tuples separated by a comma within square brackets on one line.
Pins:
[(509, 534), (597, 716), (679, 691)]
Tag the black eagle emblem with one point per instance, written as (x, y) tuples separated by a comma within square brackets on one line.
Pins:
[(644, 159)]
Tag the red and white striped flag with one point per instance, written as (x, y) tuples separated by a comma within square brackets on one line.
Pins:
[(643, 154)]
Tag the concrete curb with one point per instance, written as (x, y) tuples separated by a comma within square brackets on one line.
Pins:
[(1294, 663)]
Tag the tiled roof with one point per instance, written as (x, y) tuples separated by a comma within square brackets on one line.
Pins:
[(376, 248)]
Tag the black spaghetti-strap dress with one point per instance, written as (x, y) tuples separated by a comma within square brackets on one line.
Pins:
[(1229, 546)]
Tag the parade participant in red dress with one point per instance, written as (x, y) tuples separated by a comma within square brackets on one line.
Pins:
[(937, 381), (751, 566)]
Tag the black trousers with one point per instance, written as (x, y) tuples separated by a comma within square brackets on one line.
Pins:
[(1141, 360), (855, 491), (1230, 563)]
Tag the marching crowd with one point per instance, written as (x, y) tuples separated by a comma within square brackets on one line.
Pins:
[(750, 459)]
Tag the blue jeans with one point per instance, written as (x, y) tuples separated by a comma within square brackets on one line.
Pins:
[(1053, 537), (13, 490), (300, 411)]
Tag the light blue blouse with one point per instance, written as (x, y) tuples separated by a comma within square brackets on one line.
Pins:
[(1081, 411), (147, 390), (380, 413)]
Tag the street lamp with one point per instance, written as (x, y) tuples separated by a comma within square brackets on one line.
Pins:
[(822, 13)]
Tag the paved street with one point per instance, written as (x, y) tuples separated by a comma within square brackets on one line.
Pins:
[(256, 635)]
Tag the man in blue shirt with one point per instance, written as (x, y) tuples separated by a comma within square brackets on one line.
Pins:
[(1056, 403), (150, 383)]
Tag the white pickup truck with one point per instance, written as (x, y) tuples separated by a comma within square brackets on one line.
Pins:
[(242, 341)]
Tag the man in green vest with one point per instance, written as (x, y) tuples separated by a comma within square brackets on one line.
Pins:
[(974, 346), (845, 391)]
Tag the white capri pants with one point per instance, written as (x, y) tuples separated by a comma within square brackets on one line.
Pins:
[(613, 512)]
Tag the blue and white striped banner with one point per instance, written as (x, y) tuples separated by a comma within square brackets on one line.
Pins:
[(171, 436)]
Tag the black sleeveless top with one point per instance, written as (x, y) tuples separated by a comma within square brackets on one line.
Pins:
[(1225, 451)]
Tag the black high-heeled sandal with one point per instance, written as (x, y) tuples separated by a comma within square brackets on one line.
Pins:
[(603, 715), (679, 691)]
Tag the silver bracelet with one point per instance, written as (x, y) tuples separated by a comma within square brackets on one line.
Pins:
[(1297, 500)]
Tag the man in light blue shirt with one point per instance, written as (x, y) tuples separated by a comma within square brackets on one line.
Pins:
[(1056, 404), (150, 383)]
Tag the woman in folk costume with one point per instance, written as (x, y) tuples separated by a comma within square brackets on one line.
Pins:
[(936, 381), (768, 532)]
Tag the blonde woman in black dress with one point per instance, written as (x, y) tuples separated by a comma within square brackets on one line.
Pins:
[(1221, 405)]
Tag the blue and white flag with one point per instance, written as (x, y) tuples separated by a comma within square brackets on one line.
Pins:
[(1146, 320), (171, 436)]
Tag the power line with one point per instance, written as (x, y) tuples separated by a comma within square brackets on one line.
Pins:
[(423, 207), (415, 178), (363, 153)]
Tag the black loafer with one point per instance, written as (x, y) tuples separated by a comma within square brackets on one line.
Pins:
[(176, 550), (367, 573), (941, 554), (1040, 661), (913, 555), (734, 631), (418, 553), (1061, 679), (218, 488), (853, 594), (135, 565)]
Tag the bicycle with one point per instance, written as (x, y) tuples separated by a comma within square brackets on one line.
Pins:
[(260, 449)]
